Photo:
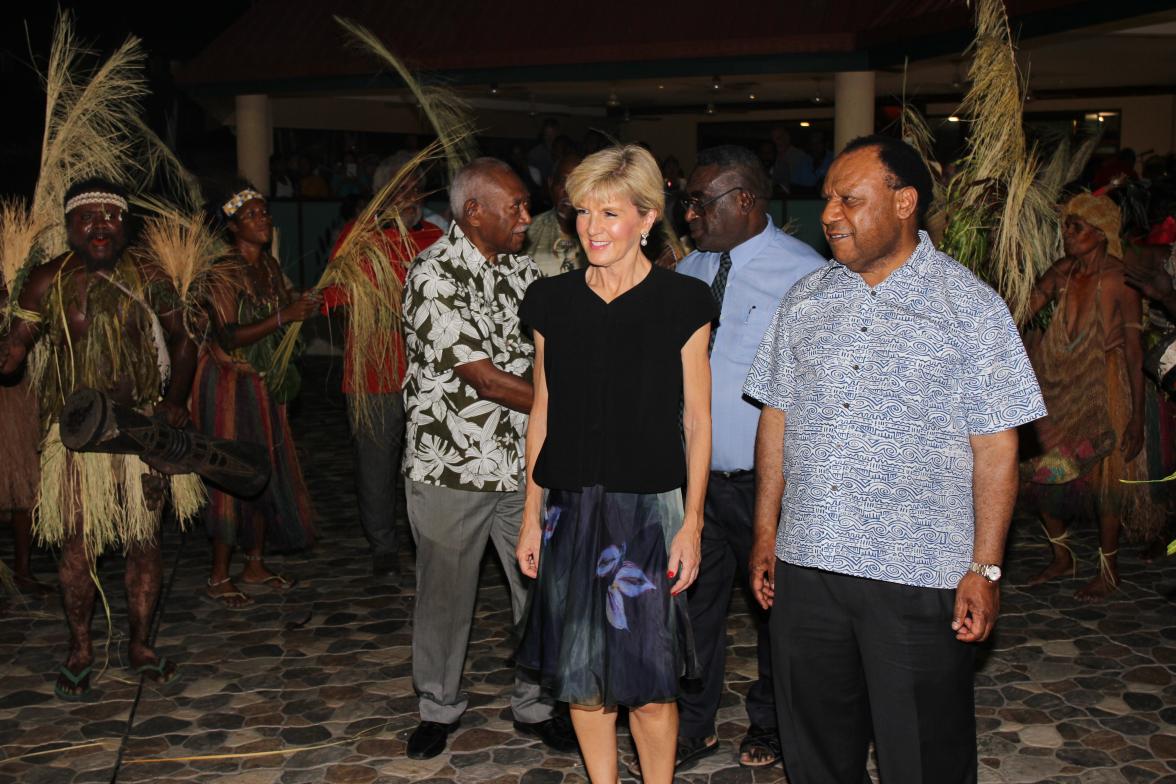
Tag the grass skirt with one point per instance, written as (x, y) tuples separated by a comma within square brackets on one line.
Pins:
[(230, 400), (602, 628), (20, 434), (106, 491)]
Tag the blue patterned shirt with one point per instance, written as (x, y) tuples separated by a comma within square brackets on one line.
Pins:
[(882, 388)]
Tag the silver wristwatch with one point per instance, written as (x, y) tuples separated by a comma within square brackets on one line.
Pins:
[(990, 572)]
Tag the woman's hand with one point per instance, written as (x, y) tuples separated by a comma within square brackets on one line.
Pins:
[(301, 309), (530, 542), (685, 556)]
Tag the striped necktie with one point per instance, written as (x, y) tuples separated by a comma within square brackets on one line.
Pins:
[(718, 289)]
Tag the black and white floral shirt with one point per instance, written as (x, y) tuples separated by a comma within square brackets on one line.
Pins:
[(460, 308)]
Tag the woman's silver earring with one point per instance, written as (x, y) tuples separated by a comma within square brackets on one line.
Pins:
[(644, 238)]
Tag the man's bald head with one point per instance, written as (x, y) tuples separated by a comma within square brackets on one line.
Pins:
[(475, 178), (740, 166), (491, 205)]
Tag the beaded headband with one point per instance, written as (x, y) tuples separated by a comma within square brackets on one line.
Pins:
[(95, 197), (230, 207)]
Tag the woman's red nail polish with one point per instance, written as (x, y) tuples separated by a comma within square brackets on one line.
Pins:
[(669, 574)]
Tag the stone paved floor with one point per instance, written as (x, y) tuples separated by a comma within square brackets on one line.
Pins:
[(1065, 693)]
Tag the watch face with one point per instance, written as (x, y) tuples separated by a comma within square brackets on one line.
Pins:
[(991, 572)]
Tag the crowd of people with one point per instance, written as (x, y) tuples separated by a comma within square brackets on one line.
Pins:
[(639, 431)]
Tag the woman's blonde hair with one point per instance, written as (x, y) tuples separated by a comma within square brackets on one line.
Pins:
[(624, 170)]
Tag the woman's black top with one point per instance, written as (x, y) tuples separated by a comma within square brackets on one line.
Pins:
[(614, 379)]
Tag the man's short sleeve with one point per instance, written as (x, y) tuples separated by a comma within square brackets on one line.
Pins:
[(438, 314), (1000, 388), (771, 377)]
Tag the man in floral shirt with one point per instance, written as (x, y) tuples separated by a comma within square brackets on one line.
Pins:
[(466, 393)]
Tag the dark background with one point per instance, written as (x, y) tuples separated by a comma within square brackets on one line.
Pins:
[(171, 33)]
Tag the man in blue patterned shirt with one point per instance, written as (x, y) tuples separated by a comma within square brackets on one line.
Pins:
[(892, 383)]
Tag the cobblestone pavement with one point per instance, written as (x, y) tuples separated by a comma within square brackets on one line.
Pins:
[(321, 677)]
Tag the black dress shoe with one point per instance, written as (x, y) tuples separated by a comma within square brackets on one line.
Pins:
[(556, 733), (429, 738)]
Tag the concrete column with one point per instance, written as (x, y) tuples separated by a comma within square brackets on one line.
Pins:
[(254, 140), (853, 106)]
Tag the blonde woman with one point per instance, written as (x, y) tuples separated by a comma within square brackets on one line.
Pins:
[(619, 346)]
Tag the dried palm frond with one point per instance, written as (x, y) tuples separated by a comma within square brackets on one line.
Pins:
[(445, 110), (1001, 221), (93, 128), (1080, 158), (167, 174), (185, 247), (363, 270), (86, 120), (19, 236)]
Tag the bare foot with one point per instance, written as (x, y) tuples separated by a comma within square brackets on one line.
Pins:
[(1102, 586), (1058, 567)]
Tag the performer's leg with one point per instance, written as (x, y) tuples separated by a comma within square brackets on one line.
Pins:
[(1063, 559), (255, 572), (77, 600), (142, 581), (220, 585), (1106, 579), (22, 532)]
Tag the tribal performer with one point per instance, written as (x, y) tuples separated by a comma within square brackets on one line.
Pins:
[(1089, 362), (236, 396), (106, 319)]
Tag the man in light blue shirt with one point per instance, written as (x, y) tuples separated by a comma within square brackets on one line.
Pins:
[(750, 265)]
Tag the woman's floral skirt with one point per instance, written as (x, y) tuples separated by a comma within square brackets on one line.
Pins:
[(602, 628)]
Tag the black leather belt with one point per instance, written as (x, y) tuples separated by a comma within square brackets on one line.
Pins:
[(741, 474)]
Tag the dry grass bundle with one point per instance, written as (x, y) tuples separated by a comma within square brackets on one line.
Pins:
[(447, 113), (93, 128), (1000, 216), (19, 238), (186, 248), (363, 269)]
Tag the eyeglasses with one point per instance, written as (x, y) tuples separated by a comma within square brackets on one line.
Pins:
[(699, 206)]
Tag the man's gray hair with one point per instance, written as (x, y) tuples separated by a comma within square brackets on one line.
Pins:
[(465, 183), (388, 168)]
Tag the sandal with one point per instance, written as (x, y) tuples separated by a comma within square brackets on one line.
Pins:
[(228, 600), (760, 747), (161, 671), (67, 679), (275, 583), (690, 750)]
